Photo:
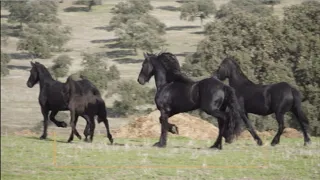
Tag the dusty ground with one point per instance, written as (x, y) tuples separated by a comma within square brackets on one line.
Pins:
[(19, 105)]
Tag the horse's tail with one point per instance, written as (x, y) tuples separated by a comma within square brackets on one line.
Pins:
[(232, 128), (102, 111), (297, 109)]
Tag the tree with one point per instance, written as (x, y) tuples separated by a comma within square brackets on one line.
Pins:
[(132, 95), (268, 49), (27, 11), (89, 3), (61, 65), (254, 7), (139, 34), (96, 71), (5, 59), (41, 40), (135, 28), (198, 9)]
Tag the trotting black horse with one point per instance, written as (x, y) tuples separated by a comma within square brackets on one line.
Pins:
[(85, 104), (50, 96), (277, 98), (177, 93)]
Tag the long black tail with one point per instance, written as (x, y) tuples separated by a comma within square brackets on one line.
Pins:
[(233, 124), (297, 109)]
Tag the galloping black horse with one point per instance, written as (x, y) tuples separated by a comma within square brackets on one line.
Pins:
[(50, 96), (85, 104), (177, 93), (277, 98)]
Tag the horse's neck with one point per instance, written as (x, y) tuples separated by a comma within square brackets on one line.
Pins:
[(238, 79), (44, 77), (160, 79)]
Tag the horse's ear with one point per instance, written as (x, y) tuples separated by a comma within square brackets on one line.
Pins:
[(145, 55), (32, 64)]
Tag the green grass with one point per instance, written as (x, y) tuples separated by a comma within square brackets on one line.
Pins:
[(30, 158)]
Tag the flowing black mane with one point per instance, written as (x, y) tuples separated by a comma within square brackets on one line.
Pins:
[(228, 62), (42, 70), (172, 66)]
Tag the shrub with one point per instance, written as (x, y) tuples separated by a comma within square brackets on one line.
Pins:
[(61, 65), (132, 95), (41, 40)]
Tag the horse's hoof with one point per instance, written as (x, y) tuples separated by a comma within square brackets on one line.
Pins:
[(43, 137), (216, 147), (70, 140), (158, 144), (175, 130), (307, 143), (79, 137), (111, 141), (274, 143), (63, 125), (259, 142)]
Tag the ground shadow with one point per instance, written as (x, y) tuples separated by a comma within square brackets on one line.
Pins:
[(128, 61), (18, 67), (169, 8), (106, 28), (198, 32), (104, 40), (117, 53), (183, 54), (115, 45), (180, 28), (4, 16), (20, 55), (76, 9)]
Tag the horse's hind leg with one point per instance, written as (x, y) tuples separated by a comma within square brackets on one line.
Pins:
[(86, 132), (221, 116), (250, 128), (280, 119), (92, 127), (106, 124), (45, 113), (56, 122)]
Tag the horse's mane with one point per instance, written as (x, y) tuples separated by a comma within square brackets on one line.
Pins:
[(43, 70), (232, 60), (172, 66)]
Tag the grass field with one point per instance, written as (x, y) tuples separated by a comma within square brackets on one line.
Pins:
[(26, 157)]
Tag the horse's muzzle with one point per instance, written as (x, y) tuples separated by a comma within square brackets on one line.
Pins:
[(141, 81)]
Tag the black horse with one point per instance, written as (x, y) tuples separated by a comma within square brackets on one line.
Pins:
[(177, 93), (277, 98), (50, 96), (85, 104)]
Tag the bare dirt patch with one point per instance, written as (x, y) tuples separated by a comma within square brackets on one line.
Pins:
[(189, 126), (149, 126)]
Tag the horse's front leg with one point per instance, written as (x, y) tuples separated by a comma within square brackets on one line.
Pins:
[(250, 128), (164, 129), (45, 113), (56, 122)]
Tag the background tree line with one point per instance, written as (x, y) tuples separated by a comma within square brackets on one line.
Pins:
[(269, 50)]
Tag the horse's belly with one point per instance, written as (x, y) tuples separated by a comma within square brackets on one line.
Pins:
[(259, 108)]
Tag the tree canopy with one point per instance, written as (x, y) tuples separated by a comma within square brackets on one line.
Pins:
[(269, 49), (197, 9)]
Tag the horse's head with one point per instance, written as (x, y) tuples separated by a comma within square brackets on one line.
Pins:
[(34, 75), (224, 69), (147, 69)]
